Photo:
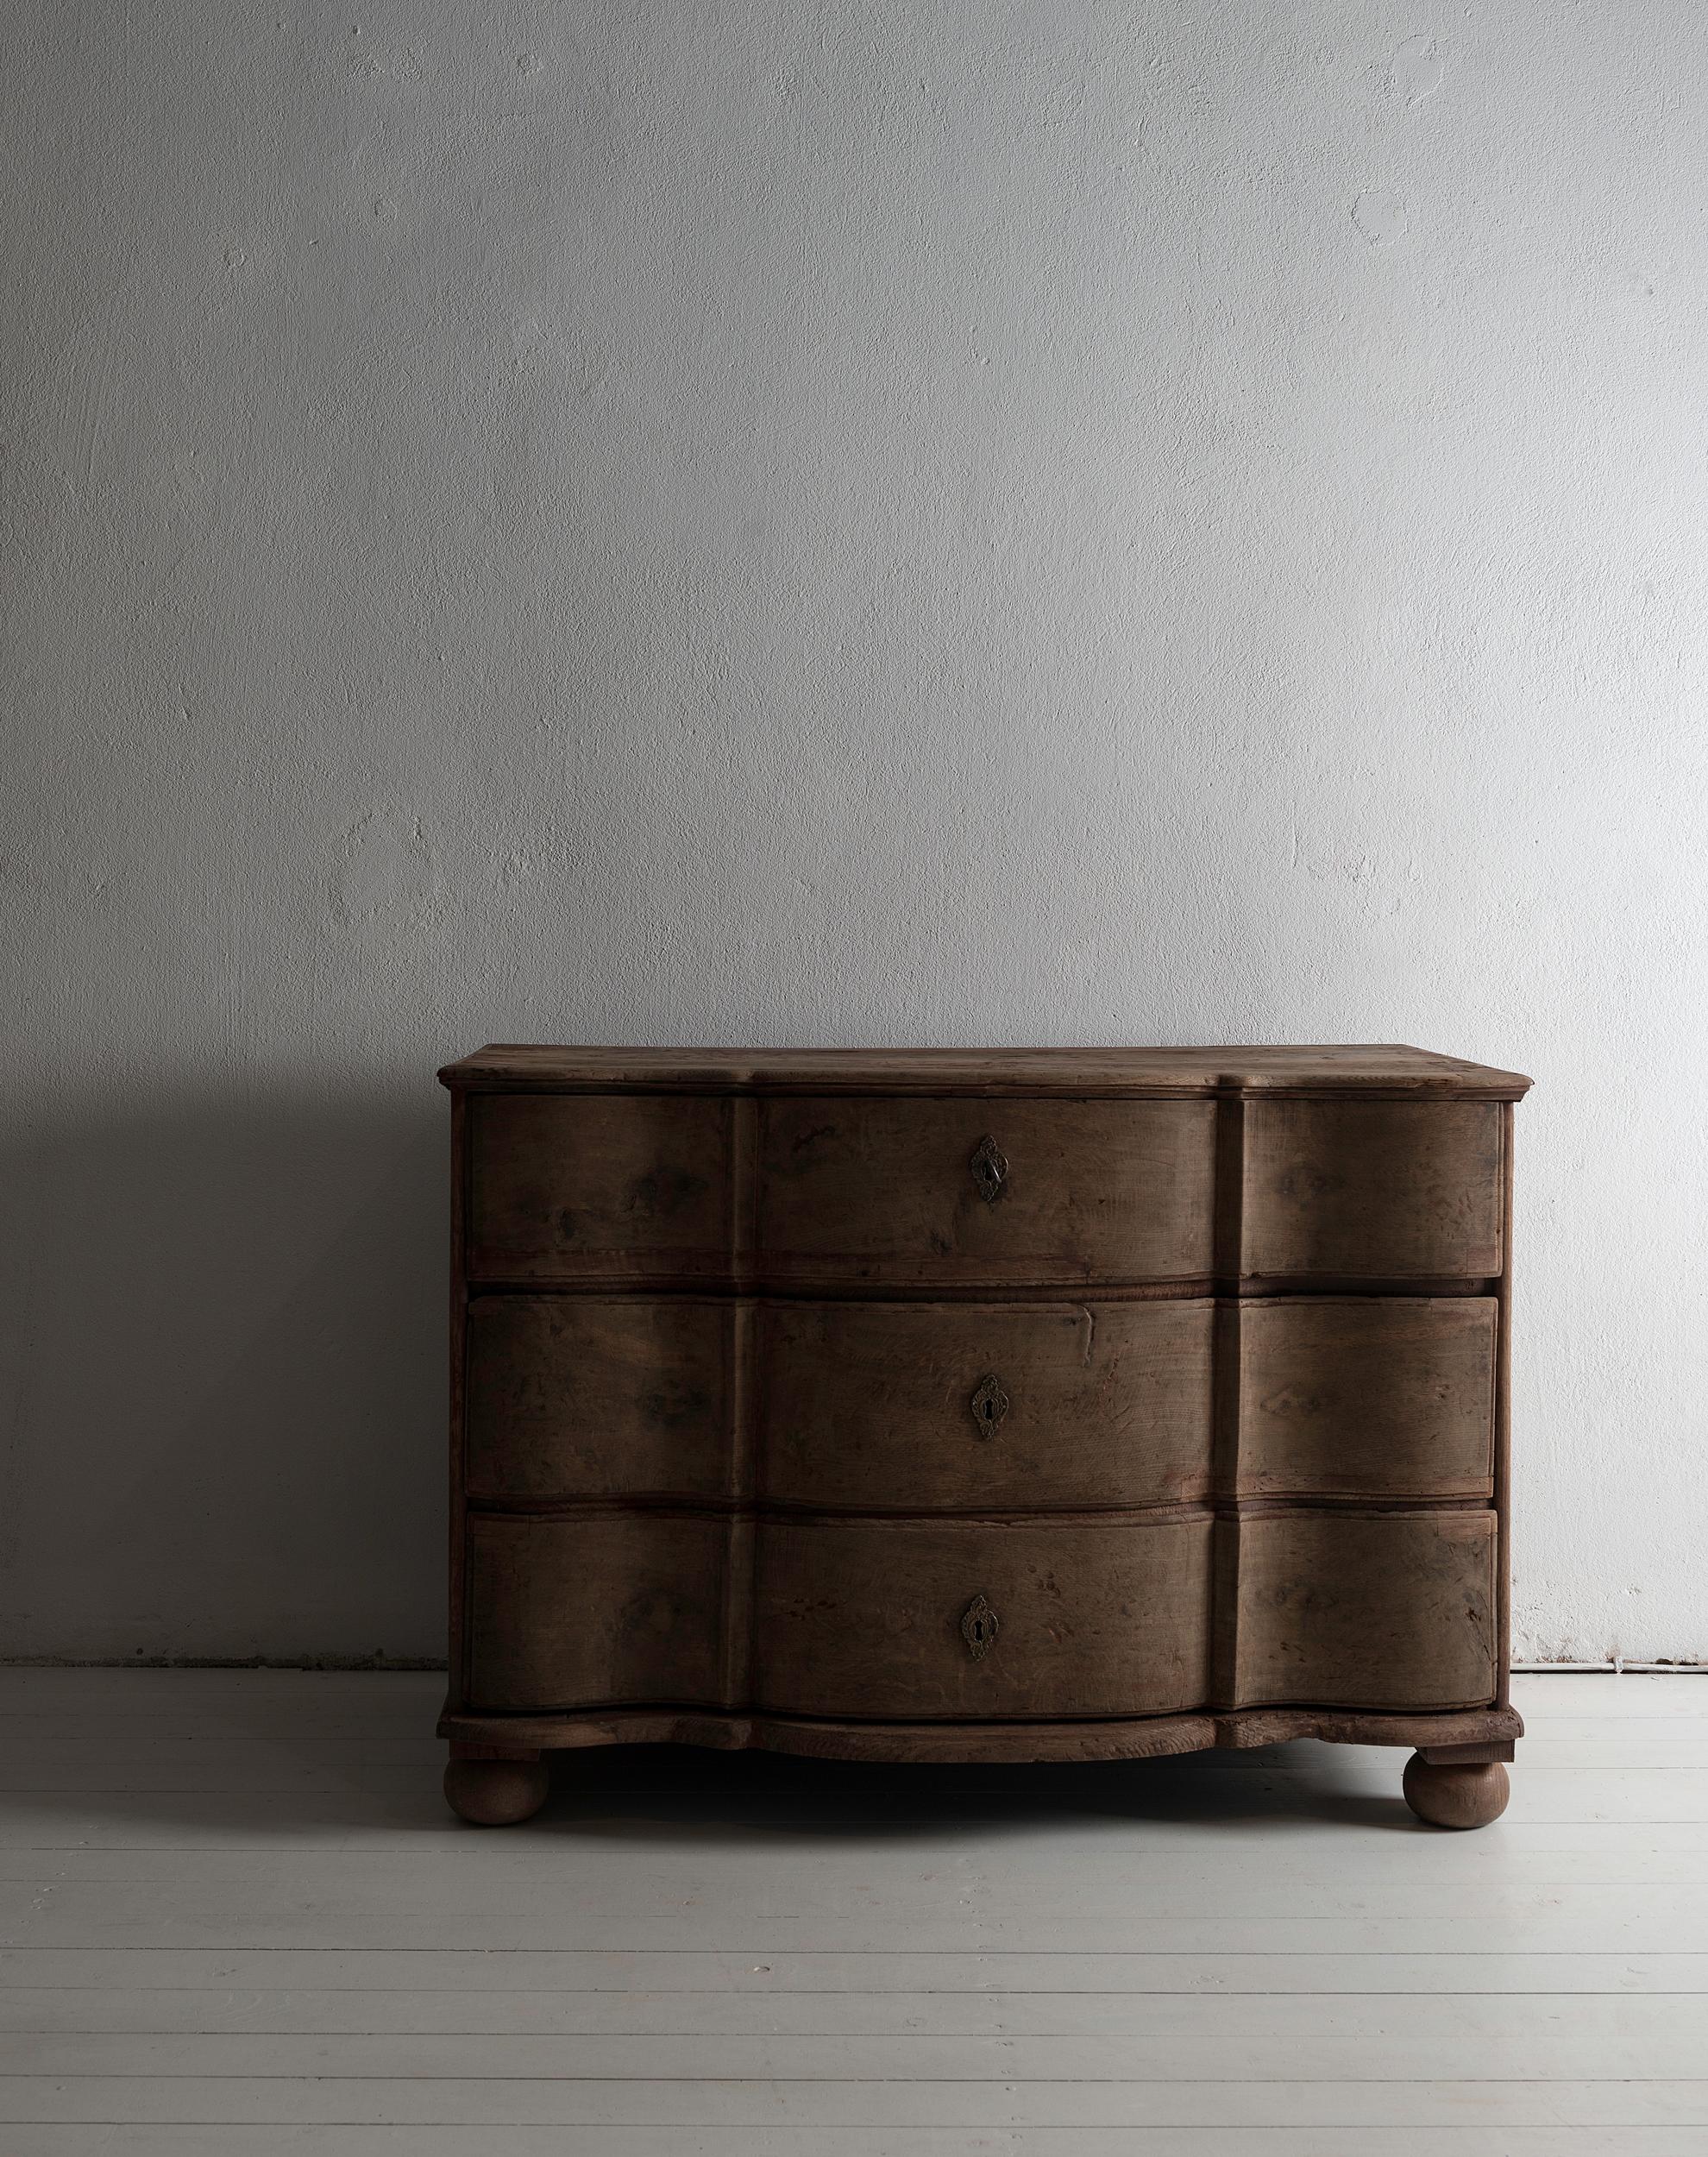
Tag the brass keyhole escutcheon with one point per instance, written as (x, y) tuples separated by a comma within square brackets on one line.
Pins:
[(979, 1628), (989, 1166), (989, 1404)]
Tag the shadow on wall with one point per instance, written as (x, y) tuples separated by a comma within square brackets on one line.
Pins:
[(225, 1368)]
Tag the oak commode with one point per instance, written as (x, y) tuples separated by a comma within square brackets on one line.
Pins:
[(943, 1405)]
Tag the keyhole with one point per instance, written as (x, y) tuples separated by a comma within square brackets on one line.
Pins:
[(989, 1166), (989, 1404), (979, 1627)]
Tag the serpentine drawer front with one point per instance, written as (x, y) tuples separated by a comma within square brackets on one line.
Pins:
[(938, 1193), (1017, 1404)]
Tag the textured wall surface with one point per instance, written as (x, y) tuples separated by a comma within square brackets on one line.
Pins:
[(657, 520)]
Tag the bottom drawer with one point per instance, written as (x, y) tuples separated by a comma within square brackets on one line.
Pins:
[(587, 1613), (963, 1620), (1392, 1610)]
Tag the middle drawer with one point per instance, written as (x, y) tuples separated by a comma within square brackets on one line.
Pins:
[(863, 1406), (974, 1407), (1015, 1407)]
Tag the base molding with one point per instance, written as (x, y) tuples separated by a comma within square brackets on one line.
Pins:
[(1465, 1734)]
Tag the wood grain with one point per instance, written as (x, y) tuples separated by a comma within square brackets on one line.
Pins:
[(608, 1188), (861, 1616), (1387, 1190), (1363, 1397), (599, 1396), (877, 1403), (854, 1191), (865, 1617), (1100, 1738), (1385, 1610), (586, 1612), (870, 1405), (1374, 1068), (1455, 1793)]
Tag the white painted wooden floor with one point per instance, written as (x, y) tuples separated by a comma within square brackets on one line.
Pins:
[(236, 1919)]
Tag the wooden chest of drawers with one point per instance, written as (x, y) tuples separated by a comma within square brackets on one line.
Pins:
[(1025, 1404)]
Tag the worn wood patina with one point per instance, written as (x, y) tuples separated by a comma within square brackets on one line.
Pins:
[(980, 1405)]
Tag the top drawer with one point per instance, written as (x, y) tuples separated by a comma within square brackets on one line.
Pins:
[(842, 1193), (934, 1192), (599, 1187), (1367, 1190), (637, 1188)]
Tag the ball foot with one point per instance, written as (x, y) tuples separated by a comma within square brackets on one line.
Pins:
[(1456, 1793), (495, 1792)]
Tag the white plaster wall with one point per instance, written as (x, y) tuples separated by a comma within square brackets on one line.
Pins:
[(816, 522)]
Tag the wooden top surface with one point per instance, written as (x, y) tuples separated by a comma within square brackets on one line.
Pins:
[(1385, 1068)]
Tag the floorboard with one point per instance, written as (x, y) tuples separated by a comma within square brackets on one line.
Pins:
[(235, 1918)]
